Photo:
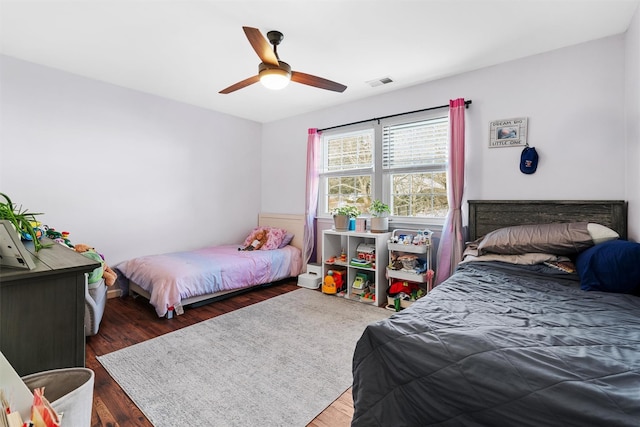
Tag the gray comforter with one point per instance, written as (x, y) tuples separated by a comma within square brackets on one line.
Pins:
[(501, 346)]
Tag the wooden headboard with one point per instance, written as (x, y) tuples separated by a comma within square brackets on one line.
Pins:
[(488, 215), (293, 223)]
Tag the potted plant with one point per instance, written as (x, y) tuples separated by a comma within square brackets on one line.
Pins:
[(341, 216), (380, 216), (22, 220)]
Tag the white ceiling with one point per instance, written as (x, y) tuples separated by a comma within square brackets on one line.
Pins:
[(188, 50)]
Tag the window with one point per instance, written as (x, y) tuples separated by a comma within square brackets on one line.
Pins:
[(414, 164), (347, 169), (401, 161)]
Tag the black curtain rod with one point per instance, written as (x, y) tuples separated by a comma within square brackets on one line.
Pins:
[(466, 105)]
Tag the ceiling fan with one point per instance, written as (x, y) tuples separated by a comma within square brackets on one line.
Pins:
[(273, 73)]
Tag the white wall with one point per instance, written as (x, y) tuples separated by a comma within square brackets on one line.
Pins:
[(125, 172), (573, 98), (134, 174), (632, 117)]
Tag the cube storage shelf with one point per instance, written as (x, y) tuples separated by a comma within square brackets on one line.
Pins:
[(334, 243), (421, 252)]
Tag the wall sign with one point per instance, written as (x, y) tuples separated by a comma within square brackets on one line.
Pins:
[(508, 133)]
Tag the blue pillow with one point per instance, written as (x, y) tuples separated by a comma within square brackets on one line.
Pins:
[(612, 266)]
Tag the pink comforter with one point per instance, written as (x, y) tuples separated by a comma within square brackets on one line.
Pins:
[(170, 278)]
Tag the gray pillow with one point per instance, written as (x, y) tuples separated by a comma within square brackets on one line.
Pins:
[(555, 238)]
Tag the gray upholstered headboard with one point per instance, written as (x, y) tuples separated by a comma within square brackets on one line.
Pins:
[(488, 215)]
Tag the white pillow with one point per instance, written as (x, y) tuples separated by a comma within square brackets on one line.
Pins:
[(522, 259), (599, 233)]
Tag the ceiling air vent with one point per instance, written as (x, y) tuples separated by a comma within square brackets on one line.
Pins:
[(379, 82)]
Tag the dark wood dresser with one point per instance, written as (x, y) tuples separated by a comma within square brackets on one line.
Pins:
[(42, 310)]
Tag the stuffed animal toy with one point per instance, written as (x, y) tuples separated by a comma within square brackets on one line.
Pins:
[(81, 247), (109, 275), (257, 241), (102, 272)]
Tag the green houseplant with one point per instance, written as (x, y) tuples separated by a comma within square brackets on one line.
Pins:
[(380, 216), (348, 210), (341, 216), (21, 219)]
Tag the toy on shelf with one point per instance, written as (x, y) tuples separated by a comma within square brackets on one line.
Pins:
[(420, 238), (360, 284), (38, 228), (58, 237), (366, 251), (402, 294), (359, 281), (365, 256), (359, 262), (408, 262), (364, 288), (402, 286), (368, 297), (333, 282)]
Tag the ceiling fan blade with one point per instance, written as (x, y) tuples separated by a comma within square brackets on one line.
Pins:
[(261, 46), (308, 79), (240, 85)]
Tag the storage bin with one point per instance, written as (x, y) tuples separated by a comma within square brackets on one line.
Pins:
[(309, 280), (70, 392), (403, 303)]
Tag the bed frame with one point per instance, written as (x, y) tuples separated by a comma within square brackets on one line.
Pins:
[(294, 223), (488, 215), (439, 321)]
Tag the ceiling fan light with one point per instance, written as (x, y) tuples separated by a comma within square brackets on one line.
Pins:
[(274, 78)]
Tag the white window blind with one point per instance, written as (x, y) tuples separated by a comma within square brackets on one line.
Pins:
[(415, 146), (347, 169), (401, 161), (349, 152)]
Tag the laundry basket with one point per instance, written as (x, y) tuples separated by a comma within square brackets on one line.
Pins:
[(70, 392)]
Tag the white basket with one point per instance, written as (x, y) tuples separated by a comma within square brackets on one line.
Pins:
[(309, 280)]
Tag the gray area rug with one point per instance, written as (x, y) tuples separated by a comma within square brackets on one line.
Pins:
[(279, 362)]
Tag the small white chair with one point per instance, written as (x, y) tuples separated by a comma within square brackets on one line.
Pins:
[(95, 302)]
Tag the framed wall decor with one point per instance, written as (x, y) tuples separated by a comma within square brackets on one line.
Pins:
[(508, 133)]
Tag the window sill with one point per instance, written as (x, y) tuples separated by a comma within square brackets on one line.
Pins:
[(397, 222)]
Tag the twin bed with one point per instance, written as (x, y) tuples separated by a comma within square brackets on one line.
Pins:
[(515, 344), (175, 280), (512, 338)]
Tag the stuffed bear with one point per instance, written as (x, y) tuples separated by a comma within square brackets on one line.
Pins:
[(257, 241), (103, 272)]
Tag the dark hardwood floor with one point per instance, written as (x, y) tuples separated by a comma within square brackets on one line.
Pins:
[(128, 321)]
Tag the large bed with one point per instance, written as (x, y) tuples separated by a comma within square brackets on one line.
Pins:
[(509, 344), (173, 281)]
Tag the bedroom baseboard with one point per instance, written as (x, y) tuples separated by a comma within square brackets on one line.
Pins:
[(114, 293)]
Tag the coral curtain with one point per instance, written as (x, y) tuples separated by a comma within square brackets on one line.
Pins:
[(452, 240), (311, 203)]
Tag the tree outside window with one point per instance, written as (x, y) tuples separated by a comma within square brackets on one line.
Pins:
[(409, 170)]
